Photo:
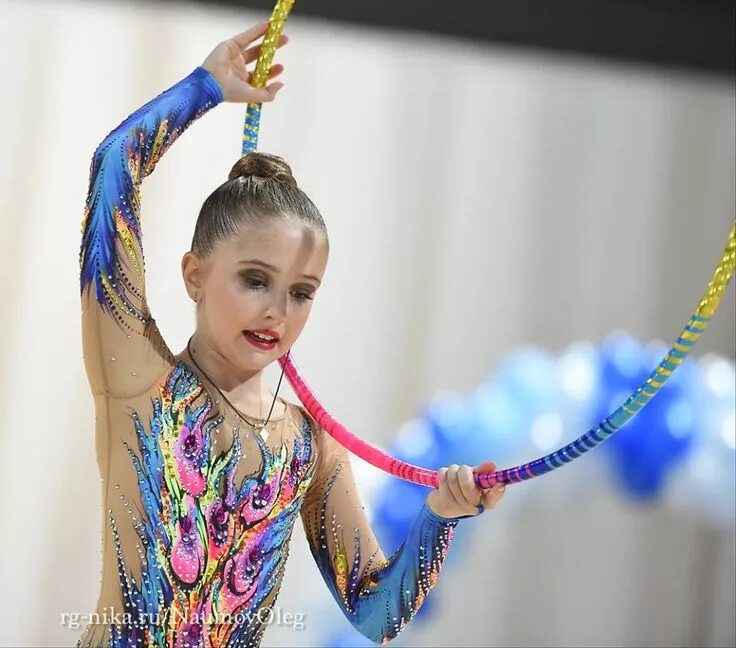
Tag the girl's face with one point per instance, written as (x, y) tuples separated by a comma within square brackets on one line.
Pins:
[(262, 279)]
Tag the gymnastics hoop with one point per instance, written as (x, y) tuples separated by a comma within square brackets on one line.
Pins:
[(699, 321)]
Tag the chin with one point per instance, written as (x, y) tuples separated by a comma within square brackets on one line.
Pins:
[(255, 357)]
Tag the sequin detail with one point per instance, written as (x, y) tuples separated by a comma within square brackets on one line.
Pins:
[(379, 600), (211, 549), (119, 165), (205, 542)]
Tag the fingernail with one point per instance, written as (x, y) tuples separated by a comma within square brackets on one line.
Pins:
[(502, 487)]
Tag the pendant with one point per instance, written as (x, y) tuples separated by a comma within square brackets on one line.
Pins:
[(263, 433)]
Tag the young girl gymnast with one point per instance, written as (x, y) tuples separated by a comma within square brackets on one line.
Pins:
[(204, 471)]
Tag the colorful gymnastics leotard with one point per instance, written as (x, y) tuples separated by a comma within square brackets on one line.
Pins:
[(197, 519)]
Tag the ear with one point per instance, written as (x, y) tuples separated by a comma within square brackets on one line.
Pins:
[(192, 273)]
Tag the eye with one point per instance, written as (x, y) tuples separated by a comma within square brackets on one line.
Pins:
[(254, 281), (302, 296)]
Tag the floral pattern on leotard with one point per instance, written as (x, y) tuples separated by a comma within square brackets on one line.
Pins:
[(212, 550)]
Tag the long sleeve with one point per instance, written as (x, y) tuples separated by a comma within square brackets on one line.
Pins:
[(123, 349), (378, 596)]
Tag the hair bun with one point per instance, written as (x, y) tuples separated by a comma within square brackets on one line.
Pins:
[(262, 165)]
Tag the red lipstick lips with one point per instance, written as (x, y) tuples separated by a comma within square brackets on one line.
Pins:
[(262, 338)]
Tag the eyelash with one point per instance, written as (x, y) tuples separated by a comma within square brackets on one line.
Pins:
[(256, 284)]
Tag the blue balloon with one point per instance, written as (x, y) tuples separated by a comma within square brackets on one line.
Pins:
[(706, 485), (578, 373), (499, 425), (396, 508), (529, 377), (347, 639), (649, 446), (417, 444), (583, 386), (449, 421)]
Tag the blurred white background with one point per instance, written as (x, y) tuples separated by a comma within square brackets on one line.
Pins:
[(478, 198)]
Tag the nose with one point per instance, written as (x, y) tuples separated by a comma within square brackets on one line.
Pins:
[(276, 309)]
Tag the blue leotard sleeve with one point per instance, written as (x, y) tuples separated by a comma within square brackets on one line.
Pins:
[(378, 595), (123, 349)]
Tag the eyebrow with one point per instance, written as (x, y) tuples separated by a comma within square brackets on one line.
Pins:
[(274, 268)]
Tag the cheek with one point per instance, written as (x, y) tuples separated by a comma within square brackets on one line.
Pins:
[(223, 298), (297, 320), (229, 304)]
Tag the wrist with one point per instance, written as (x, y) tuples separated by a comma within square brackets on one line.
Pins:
[(210, 82), (433, 507)]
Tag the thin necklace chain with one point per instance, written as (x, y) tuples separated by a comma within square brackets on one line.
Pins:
[(260, 427)]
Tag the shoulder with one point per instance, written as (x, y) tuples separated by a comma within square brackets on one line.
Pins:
[(299, 413), (327, 448)]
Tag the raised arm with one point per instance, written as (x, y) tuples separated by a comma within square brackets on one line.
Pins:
[(123, 348), (379, 596)]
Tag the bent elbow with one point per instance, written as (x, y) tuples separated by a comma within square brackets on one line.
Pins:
[(102, 149), (379, 635)]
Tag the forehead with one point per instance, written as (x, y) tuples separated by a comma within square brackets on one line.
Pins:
[(290, 246)]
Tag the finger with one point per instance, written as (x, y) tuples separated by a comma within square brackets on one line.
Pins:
[(252, 53), (486, 467), (470, 492), (259, 95), (243, 39), (274, 72), (493, 496), (442, 480), (443, 485), (453, 485), (272, 90)]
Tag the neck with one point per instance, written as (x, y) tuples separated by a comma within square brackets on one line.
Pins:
[(244, 389)]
